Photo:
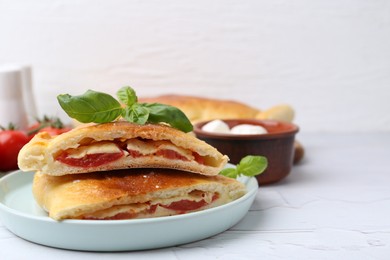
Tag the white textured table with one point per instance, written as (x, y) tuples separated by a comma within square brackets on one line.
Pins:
[(334, 205)]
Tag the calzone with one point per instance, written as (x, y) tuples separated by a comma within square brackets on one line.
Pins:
[(119, 145), (132, 193)]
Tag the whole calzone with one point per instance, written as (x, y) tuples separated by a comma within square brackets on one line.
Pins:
[(132, 193)]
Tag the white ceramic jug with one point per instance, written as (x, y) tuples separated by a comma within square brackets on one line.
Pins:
[(12, 108), (28, 94)]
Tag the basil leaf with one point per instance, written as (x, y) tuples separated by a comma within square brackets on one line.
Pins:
[(136, 114), (229, 172), (92, 106), (168, 114), (252, 165), (100, 107), (127, 96)]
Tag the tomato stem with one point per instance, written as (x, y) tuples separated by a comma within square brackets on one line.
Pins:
[(11, 126)]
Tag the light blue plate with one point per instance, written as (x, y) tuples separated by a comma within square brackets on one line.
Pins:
[(23, 217)]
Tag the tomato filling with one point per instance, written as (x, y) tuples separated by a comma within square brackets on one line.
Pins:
[(185, 205), (97, 159), (199, 159), (134, 154), (171, 155), (181, 207), (89, 160)]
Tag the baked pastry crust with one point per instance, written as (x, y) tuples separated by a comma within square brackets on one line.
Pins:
[(202, 109), (43, 152), (132, 193)]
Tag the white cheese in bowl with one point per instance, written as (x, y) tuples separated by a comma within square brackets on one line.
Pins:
[(216, 126), (246, 129), (219, 126)]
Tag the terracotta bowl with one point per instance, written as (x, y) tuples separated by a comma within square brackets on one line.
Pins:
[(277, 145)]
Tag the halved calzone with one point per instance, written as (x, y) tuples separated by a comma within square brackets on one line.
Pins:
[(119, 145), (132, 193)]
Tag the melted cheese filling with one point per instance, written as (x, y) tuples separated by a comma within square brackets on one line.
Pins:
[(142, 147), (95, 148), (152, 147)]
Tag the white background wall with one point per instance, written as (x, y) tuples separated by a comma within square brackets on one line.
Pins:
[(329, 59)]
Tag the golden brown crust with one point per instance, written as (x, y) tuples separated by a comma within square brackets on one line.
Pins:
[(199, 108), (74, 196), (41, 152), (202, 109)]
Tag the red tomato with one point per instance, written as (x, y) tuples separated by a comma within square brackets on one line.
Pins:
[(11, 141), (53, 126)]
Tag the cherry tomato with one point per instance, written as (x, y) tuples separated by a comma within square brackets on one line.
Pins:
[(53, 126), (11, 141)]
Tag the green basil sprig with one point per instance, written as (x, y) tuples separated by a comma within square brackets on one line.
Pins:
[(98, 107), (250, 165)]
